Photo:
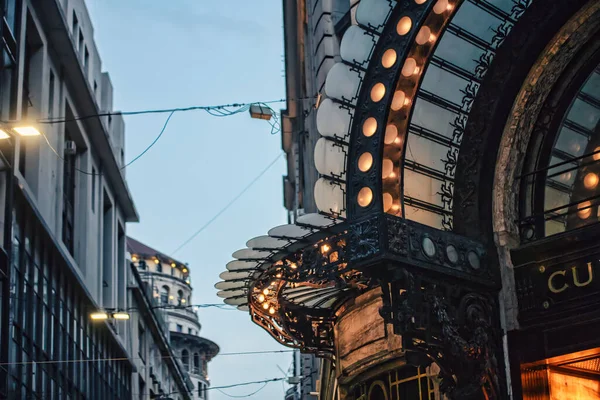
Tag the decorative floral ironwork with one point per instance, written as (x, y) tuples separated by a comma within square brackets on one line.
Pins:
[(363, 239)]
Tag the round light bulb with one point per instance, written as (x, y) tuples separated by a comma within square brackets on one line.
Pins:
[(365, 162), (440, 6), (261, 298), (387, 167), (409, 68), (266, 292), (173, 265), (377, 92), (398, 100), (403, 26), (424, 35), (388, 201), (365, 196), (590, 181), (134, 258), (389, 58), (325, 248), (597, 154), (272, 310), (585, 209), (391, 132), (156, 261), (266, 306), (420, 1), (369, 127)]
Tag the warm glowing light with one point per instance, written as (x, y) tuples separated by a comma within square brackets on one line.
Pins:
[(173, 265), (134, 258), (403, 26), (4, 135), (424, 35), (585, 209), (171, 297), (590, 181), (365, 197), (398, 100), (369, 127), (187, 281), (440, 6), (120, 315), (27, 131), (261, 298), (388, 201), (184, 270), (293, 266), (449, 7), (389, 58), (365, 162), (99, 316), (396, 207), (183, 301), (387, 167), (156, 261), (272, 310), (398, 140), (266, 306), (266, 292), (597, 155), (391, 132), (325, 248), (420, 1), (278, 276), (377, 92), (410, 67)]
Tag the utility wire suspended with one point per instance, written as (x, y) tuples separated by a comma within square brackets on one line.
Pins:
[(231, 202), (244, 395)]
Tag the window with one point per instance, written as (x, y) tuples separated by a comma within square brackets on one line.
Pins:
[(179, 328), (93, 189), (196, 363), (51, 83), (164, 295), (190, 331), (185, 358), (75, 24), (68, 198), (80, 45), (159, 267), (142, 342), (86, 61), (179, 297)]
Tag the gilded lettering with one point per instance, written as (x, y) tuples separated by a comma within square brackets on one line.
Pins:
[(576, 276), (551, 286)]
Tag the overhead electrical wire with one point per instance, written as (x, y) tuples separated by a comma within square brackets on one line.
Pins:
[(244, 395), (231, 202)]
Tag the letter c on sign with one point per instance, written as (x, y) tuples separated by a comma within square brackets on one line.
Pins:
[(551, 286)]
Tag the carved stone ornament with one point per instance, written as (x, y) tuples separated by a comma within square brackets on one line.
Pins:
[(451, 327)]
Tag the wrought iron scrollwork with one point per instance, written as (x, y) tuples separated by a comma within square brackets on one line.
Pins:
[(452, 327)]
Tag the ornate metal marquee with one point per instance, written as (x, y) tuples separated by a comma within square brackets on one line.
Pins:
[(391, 132)]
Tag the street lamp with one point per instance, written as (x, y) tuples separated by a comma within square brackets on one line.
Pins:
[(105, 315)]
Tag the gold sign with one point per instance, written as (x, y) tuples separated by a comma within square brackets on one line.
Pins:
[(563, 279)]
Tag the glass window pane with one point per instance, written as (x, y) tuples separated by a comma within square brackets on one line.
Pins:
[(476, 21), (592, 86), (423, 216), (571, 142), (423, 113), (444, 84), (584, 114), (422, 187), (458, 52), (425, 152)]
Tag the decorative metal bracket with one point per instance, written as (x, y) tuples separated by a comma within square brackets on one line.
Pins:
[(450, 325)]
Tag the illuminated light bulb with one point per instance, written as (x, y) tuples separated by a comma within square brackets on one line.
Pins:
[(392, 175), (391, 132), (440, 6), (173, 265), (396, 207), (369, 127), (417, 70), (585, 209), (266, 292), (387, 167), (261, 298), (99, 316), (134, 258), (407, 101), (449, 7), (365, 196), (187, 281), (266, 306), (273, 283), (184, 270), (183, 301), (156, 261), (597, 155), (398, 100), (409, 68), (424, 35), (377, 92), (398, 140), (278, 276), (403, 26), (272, 310), (590, 181), (365, 162), (4, 135), (293, 266), (388, 201), (170, 297), (432, 38), (389, 58)]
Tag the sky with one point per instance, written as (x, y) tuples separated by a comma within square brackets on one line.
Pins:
[(180, 53)]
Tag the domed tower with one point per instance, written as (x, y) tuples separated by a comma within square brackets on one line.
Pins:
[(170, 282)]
